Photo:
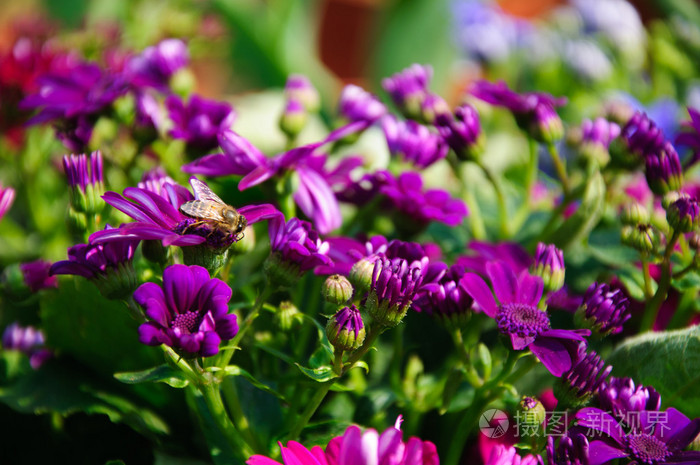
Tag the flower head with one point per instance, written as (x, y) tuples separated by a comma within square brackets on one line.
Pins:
[(408, 88), (157, 64), (27, 340), (107, 265), (657, 439), (619, 396), (604, 310), (663, 170), (295, 249), (518, 316), (394, 285), (199, 121), (359, 448), (441, 295), (85, 179), (684, 214), (639, 137), (534, 111), (508, 455), (462, 131), (158, 217), (413, 142), (358, 105), (189, 312), (596, 136), (690, 137), (549, 265), (7, 196), (299, 88), (578, 384), (345, 329)]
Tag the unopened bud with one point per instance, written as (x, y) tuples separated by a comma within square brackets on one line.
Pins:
[(633, 214), (345, 329), (337, 290)]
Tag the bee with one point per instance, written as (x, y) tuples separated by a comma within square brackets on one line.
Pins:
[(209, 208)]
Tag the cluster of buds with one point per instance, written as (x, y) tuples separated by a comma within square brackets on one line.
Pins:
[(301, 99), (84, 176)]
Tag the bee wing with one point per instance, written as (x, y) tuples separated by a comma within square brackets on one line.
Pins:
[(202, 210), (203, 193)]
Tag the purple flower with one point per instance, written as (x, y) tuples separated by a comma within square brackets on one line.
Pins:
[(154, 180), (74, 98), (199, 121), (358, 105), (393, 288), (407, 195), (7, 196), (413, 142), (82, 172), (408, 88), (441, 295), (295, 249), (299, 88), (604, 310), (158, 217), (518, 317), (596, 136), (314, 195), (156, 64), (345, 329), (663, 170), (508, 455), (511, 253), (585, 377), (462, 131), (189, 312), (658, 439), (639, 138), (358, 448), (620, 396), (549, 265), (29, 341), (684, 214), (36, 275), (572, 450), (534, 111), (293, 118), (690, 137)]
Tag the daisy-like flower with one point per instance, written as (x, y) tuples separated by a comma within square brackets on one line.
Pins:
[(413, 142), (659, 438), (199, 121), (358, 105), (159, 218), (518, 316), (442, 296), (359, 448), (408, 88), (189, 312), (156, 64)]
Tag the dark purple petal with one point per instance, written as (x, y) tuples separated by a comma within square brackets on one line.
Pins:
[(480, 292), (553, 354), (530, 289), (210, 344), (179, 287), (255, 177), (602, 421), (255, 213), (505, 283), (152, 335), (600, 452)]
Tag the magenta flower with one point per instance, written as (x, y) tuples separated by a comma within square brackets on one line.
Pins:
[(462, 131), (408, 88), (189, 312), (413, 142), (657, 439), (199, 121), (423, 206), (508, 455), (518, 316), (441, 295), (156, 64), (359, 106), (159, 218), (690, 136), (620, 396), (511, 253), (314, 195), (28, 340), (356, 447), (7, 196), (36, 275)]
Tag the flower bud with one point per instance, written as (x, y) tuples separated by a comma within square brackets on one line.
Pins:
[(361, 275), (633, 214), (300, 89), (287, 315), (604, 310), (531, 411), (641, 237), (577, 385), (549, 265), (394, 284), (337, 290), (345, 329), (684, 214), (281, 272), (293, 118)]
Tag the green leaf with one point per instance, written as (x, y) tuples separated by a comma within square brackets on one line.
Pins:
[(586, 217), (633, 280), (361, 364), (668, 361), (606, 247), (320, 374), (160, 374), (690, 280), (233, 370)]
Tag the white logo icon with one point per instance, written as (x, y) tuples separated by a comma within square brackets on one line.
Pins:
[(493, 423)]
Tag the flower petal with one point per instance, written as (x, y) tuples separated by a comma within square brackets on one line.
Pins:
[(504, 281), (602, 421), (255, 213), (480, 292), (553, 354), (600, 452)]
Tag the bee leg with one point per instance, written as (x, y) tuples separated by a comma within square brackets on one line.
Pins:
[(193, 225)]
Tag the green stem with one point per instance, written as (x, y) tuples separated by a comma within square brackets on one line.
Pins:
[(653, 306), (372, 336), (212, 397), (310, 409), (247, 323), (560, 167), (500, 199), (530, 180), (470, 371), (238, 417), (691, 266), (648, 291)]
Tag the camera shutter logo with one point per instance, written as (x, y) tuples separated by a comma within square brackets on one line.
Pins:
[(493, 423)]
